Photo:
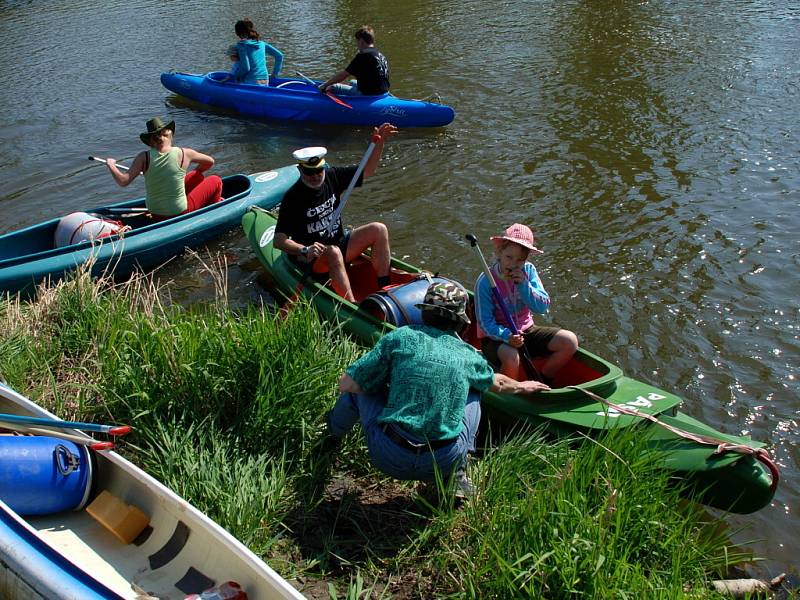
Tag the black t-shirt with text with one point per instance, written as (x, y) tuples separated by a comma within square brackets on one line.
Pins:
[(371, 69), (305, 213)]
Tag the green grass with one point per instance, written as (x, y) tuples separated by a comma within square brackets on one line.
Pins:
[(228, 406), (557, 522)]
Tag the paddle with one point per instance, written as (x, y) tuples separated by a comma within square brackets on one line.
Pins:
[(528, 362), (114, 430), (89, 442), (118, 210), (327, 93), (121, 210), (335, 216), (105, 162)]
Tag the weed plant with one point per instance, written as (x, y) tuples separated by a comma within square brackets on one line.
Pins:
[(228, 409), (554, 521)]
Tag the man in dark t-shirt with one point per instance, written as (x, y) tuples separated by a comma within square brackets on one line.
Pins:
[(369, 67), (309, 227)]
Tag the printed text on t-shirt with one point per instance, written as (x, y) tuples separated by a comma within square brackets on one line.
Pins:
[(323, 212)]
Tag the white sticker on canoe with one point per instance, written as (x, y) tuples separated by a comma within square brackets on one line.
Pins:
[(393, 111), (266, 237), (640, 402), (265, 176)]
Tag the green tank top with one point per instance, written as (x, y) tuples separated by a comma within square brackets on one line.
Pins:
[(166, 194)]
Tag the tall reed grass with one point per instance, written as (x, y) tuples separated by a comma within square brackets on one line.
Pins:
[(228, 408), (553, 521)]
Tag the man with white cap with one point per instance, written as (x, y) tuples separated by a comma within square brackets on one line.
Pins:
[(309, 227)]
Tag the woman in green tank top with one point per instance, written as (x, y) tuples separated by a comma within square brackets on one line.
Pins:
[(170, 189)]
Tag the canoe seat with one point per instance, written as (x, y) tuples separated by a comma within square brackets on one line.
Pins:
[(363, 279), (235, 185)]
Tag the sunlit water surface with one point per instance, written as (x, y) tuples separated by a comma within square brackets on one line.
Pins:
[(652, 145)]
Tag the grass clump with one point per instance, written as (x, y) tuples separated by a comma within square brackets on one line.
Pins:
[(553, 521), (228, 408), (224, 404), (250, 493)]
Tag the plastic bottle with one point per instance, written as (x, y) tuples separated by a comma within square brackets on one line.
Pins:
[(230, 590)]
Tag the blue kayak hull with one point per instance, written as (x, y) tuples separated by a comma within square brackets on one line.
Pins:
[(297, 100), (28, 257)]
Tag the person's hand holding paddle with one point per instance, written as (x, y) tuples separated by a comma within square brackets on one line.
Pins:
[(516, 340), (379, 137), (121, 174)]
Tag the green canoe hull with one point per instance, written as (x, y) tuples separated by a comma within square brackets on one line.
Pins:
[(730, 481)]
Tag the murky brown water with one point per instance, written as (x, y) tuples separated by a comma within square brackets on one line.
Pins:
[(653, 145)]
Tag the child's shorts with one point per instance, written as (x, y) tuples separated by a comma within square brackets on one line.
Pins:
[(536, 341)]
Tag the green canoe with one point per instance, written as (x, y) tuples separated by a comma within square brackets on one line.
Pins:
[(590, 395)]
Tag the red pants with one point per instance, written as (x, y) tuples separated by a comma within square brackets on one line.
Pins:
[(201, 191)]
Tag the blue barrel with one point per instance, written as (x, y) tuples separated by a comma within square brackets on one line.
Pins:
[(396, 304), (43, 475)]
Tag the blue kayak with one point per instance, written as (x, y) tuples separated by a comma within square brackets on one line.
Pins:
[(298, 100), (29, 255)]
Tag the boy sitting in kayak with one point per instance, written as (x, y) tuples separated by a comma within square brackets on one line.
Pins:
[(521, 289), (369, 67), (309, 227)]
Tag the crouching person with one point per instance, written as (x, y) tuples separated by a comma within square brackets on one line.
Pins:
[(427, 419)]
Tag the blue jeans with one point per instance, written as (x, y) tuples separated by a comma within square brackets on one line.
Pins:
[(398, 461)]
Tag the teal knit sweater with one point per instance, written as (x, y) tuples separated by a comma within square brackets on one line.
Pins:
[(429, 373)]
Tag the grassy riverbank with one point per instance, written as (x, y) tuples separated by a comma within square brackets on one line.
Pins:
[(228, 408)]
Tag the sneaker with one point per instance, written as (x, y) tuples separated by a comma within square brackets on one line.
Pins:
[(464, 487), (330, 443)]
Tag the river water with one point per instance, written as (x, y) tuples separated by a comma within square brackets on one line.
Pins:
[(652, 146)]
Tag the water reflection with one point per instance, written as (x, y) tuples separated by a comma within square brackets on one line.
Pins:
[(653, 146)]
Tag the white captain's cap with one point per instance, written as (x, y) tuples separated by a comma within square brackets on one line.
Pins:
[(312, 157)]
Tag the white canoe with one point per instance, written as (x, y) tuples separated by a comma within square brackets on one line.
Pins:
[(70, 555)]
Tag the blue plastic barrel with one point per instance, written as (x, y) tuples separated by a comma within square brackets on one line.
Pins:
[(43, 475), (396, 304)]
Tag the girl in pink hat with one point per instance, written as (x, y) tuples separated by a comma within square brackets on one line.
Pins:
[(523, 293)]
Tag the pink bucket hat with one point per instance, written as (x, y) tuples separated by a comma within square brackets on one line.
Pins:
[(519, 234)]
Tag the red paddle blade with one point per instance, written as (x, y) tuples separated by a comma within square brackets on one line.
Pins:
[(119, 430), (335, 99), (102, 446)]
